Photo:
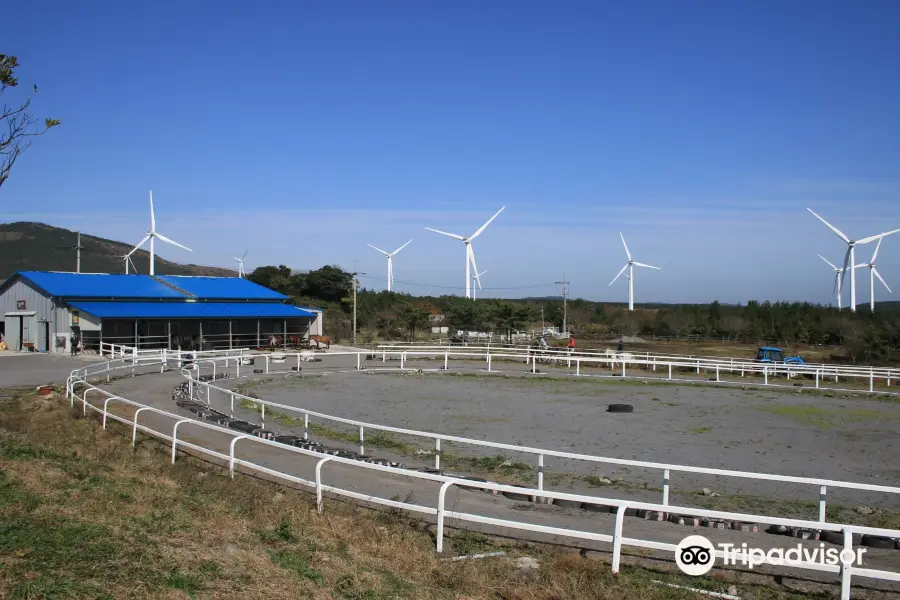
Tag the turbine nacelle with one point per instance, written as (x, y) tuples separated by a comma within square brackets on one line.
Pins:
[(470, 253)]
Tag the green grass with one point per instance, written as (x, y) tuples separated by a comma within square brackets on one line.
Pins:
[(701, 429)]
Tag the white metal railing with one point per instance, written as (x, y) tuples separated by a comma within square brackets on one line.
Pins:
[(78, 383), (820, 371), (665, 470)]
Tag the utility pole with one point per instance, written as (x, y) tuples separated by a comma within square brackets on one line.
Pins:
[(355, 284), (78, 255), (563, 287)]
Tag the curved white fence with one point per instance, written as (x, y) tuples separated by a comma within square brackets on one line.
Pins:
[(79, 389)]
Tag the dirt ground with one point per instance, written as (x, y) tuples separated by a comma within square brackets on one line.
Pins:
[(779, 432)]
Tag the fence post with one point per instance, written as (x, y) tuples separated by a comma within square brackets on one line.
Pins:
[(267, 363), (846, 568), (134, 430), (617, 539), (717, 374), (822, 491), (766, 375), (871, 379), (665, 500), (541, 472), (402, 359), (106, 409), (489, 361), (446, 359), (358, 359), (817, 378), (175, 437), (577, 366), (234, 442), (232, 405), (362, 449), (623, 366), (670, 370), (319, 500), (440, 516), (437, 454)]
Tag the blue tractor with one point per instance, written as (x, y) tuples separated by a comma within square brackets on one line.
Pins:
[(767, 354)]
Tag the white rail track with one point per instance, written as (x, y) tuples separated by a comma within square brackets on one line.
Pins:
[(78, 389)]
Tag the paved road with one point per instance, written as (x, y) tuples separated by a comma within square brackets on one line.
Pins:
[(37, 368)]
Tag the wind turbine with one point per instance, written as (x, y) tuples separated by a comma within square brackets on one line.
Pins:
[(477, 278), (873, 273), (838, 280), (241, 263), (470, 254), (850, 257), (390, 257), (152, 234), (630, 265), (128, 260)]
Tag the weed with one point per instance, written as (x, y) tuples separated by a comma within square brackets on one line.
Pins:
[(699, 430), (296, 564)]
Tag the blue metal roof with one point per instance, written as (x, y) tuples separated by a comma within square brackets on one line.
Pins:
[(192, 310), (222, 288), (99, 285)]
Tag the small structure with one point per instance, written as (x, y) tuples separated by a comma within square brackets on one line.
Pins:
[(42, 310)]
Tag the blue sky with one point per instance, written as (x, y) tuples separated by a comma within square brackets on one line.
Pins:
[(301, 131)]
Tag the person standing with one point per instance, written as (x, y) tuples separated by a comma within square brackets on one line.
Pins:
[(571, 344), (619, 349)]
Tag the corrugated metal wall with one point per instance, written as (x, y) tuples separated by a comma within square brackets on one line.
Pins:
[(46, 311)]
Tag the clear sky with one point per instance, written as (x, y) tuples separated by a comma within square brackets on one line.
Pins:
[(301, 131)]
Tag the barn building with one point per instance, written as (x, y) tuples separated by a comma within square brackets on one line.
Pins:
[(42, 310)]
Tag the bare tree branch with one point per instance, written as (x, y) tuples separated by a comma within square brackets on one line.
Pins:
[(20, 123)]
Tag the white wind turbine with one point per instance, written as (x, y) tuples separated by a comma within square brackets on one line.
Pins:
[(128, 261), (470, 254), (630, 265), (390, 257), (151, 235), (873, 273), (240, 260), (850, 257), (477, 278), (838, 280)]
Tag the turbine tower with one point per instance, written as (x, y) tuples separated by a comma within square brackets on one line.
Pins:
[(151, 235), (240, 260), (470, 254), (629, 266), (873, 273), (127, 258), (390, 257), (477, 278), (838, 280), (850, 257)]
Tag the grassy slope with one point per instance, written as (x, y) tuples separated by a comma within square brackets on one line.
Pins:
[(82, 515), (35, 246)]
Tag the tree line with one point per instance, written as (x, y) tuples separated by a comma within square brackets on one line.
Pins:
[(391, 315)]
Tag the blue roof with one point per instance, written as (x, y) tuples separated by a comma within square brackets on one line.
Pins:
[(99, 285), (222, 288), (102, 285), (770, 348), (192, 310)]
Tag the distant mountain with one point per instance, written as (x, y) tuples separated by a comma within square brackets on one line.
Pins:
[(38, 247)]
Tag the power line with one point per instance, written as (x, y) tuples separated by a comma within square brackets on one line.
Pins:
[(452, 287)]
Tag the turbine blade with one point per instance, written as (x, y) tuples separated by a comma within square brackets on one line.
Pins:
[(471, 252), (244, 255), (619, 274), (453, 235), (846, 260), (626, 245), (401, 247), (163, 238), (141, 243), (828, 262), (152, 216), (872, 238), (881, 279), (637, 264), (877, 248), (839, 233), (379, 249), (482, 228)]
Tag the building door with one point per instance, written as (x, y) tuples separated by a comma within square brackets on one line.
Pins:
[(45, 336), (22, 336)]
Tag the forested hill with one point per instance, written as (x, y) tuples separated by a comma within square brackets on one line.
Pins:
[(39, 247)]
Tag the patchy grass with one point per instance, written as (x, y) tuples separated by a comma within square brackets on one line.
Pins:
[(83, 515), (821, 417), (701, 429)]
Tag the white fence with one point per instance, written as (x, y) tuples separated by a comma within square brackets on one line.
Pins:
[(78, 389), (714, 367)]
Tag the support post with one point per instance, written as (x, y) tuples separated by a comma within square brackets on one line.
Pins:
[(822, 491), (665, 499), (319, 499), (305, 426), (442, 496), (230, 336), (362, 439), (258, 344), (617, 539), (437, 454), (541, 473)]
